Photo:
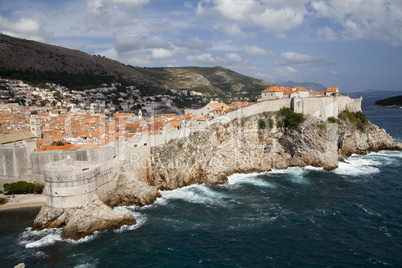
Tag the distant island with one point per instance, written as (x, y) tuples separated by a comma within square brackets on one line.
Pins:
[(390, 102)]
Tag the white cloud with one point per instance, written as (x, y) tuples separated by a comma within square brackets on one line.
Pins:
[(209, 59), (233, 29), (328, 33), (233, 58), (254, 51), (368, 19), (205, 59), (104, 13), (294, 58), (125, 43), (24, 28), (236, 10), (278, 20), (272, 16), (287, 69), (194, 44), (160, 53), (129, 3), (161, 27), (286, 73)]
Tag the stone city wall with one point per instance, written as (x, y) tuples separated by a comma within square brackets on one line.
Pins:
[(21, 163)]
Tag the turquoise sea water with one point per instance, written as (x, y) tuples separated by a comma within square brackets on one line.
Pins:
[(298, 217)]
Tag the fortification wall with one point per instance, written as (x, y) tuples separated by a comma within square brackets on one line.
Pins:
[(74, 183), (264, 106), (13, 164), (40, 159), (14, 161), (352, 105), (21, 163)]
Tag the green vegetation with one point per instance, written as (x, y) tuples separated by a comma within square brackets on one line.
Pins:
[(291, 119), (333, 120), (262, 123), (322, 126), (392, 101), (271, 122), (3, 200), (356, 118), (23, 187), (59, 143)]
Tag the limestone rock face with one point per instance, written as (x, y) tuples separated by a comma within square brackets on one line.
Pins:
[(362, 142), (131, 190), (49, 217), (243, 146), (95, 216)]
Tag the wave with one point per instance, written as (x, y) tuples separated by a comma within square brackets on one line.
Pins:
[(140, 219), (46, 237), (296, 174), (358, 165), (251, 178), (196, 193)]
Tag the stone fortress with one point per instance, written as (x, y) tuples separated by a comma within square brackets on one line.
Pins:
[(73, 177)]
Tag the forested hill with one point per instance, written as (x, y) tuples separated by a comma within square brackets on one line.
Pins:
[(393, 101), (37, 62)]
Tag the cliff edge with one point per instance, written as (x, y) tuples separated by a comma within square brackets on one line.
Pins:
[(260, 143)]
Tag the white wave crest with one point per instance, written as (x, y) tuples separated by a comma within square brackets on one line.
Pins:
[(251, 178), (35, 239), (197, 193), (47, 237), (357, 165), (295, 174), (139, 218)]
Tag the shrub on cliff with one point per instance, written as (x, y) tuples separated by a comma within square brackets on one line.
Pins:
[(3, 200), (356, 118), (263, 123), (333, 120), (291, 119), (23, 187)]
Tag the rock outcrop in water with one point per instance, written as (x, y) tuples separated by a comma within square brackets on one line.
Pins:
[(82, 221)]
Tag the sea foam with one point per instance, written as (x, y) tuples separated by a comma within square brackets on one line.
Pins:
[(196, 193), (357, 165), (251, 178)]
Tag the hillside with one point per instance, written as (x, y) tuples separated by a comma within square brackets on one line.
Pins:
[(306, 85), (393, 101), (37, 63)]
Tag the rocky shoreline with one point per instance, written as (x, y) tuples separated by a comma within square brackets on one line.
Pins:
[(240, 146)]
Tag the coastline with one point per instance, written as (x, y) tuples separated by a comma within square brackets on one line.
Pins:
[(23, 201)]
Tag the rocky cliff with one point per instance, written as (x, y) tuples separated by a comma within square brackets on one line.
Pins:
[(247, 145), (257, 143)]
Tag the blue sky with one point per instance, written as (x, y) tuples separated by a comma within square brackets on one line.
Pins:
[(352, 44)]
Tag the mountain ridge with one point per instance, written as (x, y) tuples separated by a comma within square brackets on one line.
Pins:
[(39, 62)]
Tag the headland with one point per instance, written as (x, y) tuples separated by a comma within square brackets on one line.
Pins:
[(83, 185)]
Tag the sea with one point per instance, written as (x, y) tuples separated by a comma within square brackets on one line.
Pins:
[(295, 217)]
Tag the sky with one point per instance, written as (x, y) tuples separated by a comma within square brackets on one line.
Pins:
[(354, 45)]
